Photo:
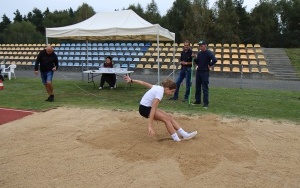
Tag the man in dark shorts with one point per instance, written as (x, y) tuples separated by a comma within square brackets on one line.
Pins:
[(47, 61)]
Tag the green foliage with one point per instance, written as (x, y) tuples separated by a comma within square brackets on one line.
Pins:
[(294, 56), (30, 94), (272, 23), (22, 32)]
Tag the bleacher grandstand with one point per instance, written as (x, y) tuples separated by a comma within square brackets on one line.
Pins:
[(232, 58)]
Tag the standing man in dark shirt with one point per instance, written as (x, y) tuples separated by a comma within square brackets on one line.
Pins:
[(48, 62), (205, 59), (185, 72)]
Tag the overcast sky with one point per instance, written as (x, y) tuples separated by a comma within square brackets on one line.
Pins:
[(8, 7)]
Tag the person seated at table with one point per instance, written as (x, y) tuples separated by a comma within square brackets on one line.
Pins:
[(109, 78)]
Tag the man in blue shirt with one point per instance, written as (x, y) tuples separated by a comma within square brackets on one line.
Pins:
[(185, 72), (205, 59)]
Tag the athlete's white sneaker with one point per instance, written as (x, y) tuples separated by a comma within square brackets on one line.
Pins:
[(190, 135)]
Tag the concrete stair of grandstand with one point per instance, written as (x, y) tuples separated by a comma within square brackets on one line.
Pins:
[(280, 65)]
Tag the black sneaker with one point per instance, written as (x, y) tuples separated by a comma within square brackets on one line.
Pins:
[(173, 98), (51, 98), (48, 99), (205, 106), (196, 103)]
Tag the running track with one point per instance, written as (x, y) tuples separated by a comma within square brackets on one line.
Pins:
[(8, 115)]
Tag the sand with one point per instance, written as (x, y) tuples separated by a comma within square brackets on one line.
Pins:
[(73, 147)]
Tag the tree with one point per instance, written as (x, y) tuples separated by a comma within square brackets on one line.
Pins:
[(22, 32), (244, 26), (176, 16), (84, 12), (5, 22), (198, 22), (290, 19), (36, 18), (18, 17), (137, 9), (264, 20), (226, 26), (152, 13)]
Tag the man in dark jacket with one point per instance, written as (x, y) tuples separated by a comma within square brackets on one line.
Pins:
[(47, 61), (205, 59)]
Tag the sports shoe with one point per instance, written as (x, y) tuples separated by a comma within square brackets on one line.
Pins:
[(51, 98), (196, 103), (47, 99), (184, 100), (111, 87), (100, 88), (190, 135), (205, 106), (173, 98)]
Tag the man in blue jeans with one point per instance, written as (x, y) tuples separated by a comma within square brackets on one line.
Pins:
[(204, 60), (185, 72), (47, 61)]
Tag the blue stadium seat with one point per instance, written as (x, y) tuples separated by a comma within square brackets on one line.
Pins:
[(137, 49), (94, 48), (83, 48), (107, 53), (94, 44), (76, 64), (123, 44), (96, 65), (126, 53), (140, 54), (63, 44), (122, 59), (73, 44), (124, 48), (77, 53), (95, 59), (124, 65), (120, 54), (106, 48), (70, 64), (77, 48), (113, 53), (83, 53), (135, 44), (70, 58), (65, 58), (78, 44), (68, 44), (83, 44), (72, 53), (100, 48), (147, 44), (101, 58), (61, 48), (112, 49), (63, 64), (133, 54), (118, 49), (101, 53), (141, 44), (76, 58), (66, 53), (115, 59), (117, 44), (128, 44), (144, 49), (131, 49), (94, 54), (100, 44), (111, 44), (105, 44), (136, 59)]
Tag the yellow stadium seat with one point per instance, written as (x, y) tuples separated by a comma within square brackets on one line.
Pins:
[(253, 63), (175, 60), (148, 54), (167, 60), (140, 66), (256, 45), (164, 66), (233, 45), (262, 63), (249, 46), (154, 44), (235, 62), (219, 45), (243, 56), (226, 69), (143, 60), (254, 70), (161, 44), (148, 66), (211, 45), (246, 70), (252, 57), (151, 49), (245, 63), (169, 54), (218, 56), (195, 49), (163, 54), (241, 45), (235, 56), (168, 44), (226, 62), (264, 70), (181, 44), (235, 69), (151, 60), (250, 51), (165, 49), (242, 51), (226, 50), (217, 69), (172, 67), (226, 46), (261, 57), (177, 55), (218, 50), (226, 56), (258, 51)]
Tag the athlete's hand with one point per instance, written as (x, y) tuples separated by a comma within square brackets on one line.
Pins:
[(151, 131), (36, 72), (127, 78)]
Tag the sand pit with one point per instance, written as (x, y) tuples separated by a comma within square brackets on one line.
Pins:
[(72, 147)]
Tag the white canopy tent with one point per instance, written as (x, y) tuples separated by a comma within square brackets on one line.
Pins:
[(123, 25)]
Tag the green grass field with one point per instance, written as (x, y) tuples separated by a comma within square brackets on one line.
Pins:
[(30, 94), (294, 56)]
